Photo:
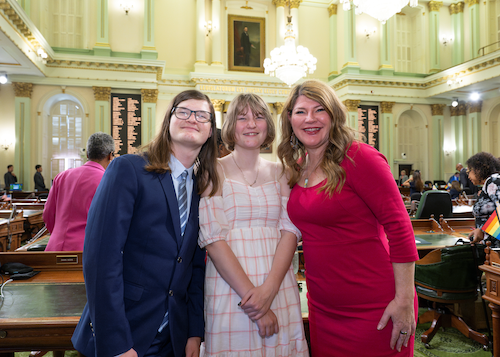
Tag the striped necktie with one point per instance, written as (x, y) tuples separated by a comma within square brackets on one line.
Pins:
[(182, 200)]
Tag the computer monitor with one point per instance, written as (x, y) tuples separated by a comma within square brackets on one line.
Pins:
[(16, 187)]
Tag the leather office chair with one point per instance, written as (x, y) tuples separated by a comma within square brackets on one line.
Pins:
[(436, 203), (439, 183), (447, 276)]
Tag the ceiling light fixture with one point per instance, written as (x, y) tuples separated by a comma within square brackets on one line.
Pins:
[(382, 10), (454, 104), (3, 78), (475, 96)]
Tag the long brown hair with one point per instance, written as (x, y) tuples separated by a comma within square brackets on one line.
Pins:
[(158, 151), (341, 136), (417, 178)]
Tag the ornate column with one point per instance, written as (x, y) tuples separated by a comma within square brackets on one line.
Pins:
[(148, 50), (200, 36), (386, 131), (294, 11), (474, 27), (279, 109), (102, 48), (386, 67), (352, 112), (351, 64), (23, 146), (216, 37), (332, 11), (148, 120), (457, 23), (475, 126), (102, 110), (435, 63), (219, 107), (437, 142), (458, 120), (280, 22)]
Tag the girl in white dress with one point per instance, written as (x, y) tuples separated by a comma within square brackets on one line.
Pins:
[(252, 305)]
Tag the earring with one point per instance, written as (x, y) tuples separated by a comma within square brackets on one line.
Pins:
[(294, 142)]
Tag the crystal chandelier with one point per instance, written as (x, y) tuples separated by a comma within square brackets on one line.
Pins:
[(382, 10), (289, 63)]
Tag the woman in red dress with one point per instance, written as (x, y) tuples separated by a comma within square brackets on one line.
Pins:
[(358, 242)]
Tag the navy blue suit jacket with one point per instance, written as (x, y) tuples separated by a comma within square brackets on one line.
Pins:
[(136, 266)]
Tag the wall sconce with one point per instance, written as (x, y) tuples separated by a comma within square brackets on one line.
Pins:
[(3, 78), (209, 27), (42, 54), (449, 149), (446, 40), (370, 32), (126, 7), (454, 81), (5, 145), (454, 104)]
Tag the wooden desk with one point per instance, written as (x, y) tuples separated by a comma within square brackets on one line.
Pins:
[(41, 313), (16, 230), (491, 269)]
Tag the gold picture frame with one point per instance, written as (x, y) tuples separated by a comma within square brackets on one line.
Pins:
[(247, 43)]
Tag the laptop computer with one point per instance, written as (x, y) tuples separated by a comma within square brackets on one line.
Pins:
[(16, 187)]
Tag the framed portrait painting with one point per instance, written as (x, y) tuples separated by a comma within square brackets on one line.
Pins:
[(246, 43)]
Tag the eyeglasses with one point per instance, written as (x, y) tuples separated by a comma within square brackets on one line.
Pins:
[(467, 171), (201, 116)]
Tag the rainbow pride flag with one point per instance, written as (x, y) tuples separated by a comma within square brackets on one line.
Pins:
[(492, 225)]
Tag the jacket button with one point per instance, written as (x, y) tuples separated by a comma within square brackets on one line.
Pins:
[(171, 293), (179, 260)]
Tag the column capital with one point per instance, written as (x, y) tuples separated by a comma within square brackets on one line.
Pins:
[(294, 4), (435, 5), (386, 107), (279, 3), (472, 2), (102, 93), (437, 109), (453, 111), (218, 104), (23, 89), (462, 109), (279, 107), (149, 95), (352, 105), (332, 10), (456, 8), (475, 107)]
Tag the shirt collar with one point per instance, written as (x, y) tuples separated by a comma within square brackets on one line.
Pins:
[(94, 164), (178, 168)]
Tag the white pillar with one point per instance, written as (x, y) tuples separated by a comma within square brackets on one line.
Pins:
[(216, 34), (280, 23), (200, 35)]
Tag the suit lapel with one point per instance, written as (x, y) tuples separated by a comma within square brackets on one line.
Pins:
[(168, 189)]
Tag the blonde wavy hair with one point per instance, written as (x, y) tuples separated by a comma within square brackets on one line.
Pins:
[(340, 138)]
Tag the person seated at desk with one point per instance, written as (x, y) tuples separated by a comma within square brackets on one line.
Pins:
[(67, 206), (455, 190), (402, 178), (483, 169), (415, 183)]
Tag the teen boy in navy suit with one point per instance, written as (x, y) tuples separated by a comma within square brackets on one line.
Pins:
[(143, 275)]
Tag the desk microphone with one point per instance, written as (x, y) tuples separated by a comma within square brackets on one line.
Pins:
[(9, 233)]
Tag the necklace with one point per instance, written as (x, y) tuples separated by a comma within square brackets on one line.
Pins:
[(306, 179), (244, 178)]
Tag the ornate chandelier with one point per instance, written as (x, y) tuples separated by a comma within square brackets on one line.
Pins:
[(382, 10), (289, 63)]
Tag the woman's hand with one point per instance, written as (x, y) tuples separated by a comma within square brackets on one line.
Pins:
[(193, 347), (476, 235), (258, 300), (402, 314), (268, 324)]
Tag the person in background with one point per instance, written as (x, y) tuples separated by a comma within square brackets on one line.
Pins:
[(67, 207), (455, 190), (39, 181), (415, 183), (9, 178), (362, 301), (223, 151), (403, 177), (454, 177), (483, 169), (465, 180), (250, 243), (143, 269)]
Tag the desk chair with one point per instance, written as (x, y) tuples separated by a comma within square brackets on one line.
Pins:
[(447, 276), (436, 203), (439, 183)]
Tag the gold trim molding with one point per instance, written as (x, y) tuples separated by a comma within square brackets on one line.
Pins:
[(386, 107), (279, 107), (218, 104), (279, 3), (332, 10), (472, 2), (453, 111), (149, 95), (437, 109), (475, 107), (435, 5), (102, 93), (294, 4), (456, 8), (352, 105), (23, 89)]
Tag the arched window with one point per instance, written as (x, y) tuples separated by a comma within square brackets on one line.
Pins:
[(65, 136)]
